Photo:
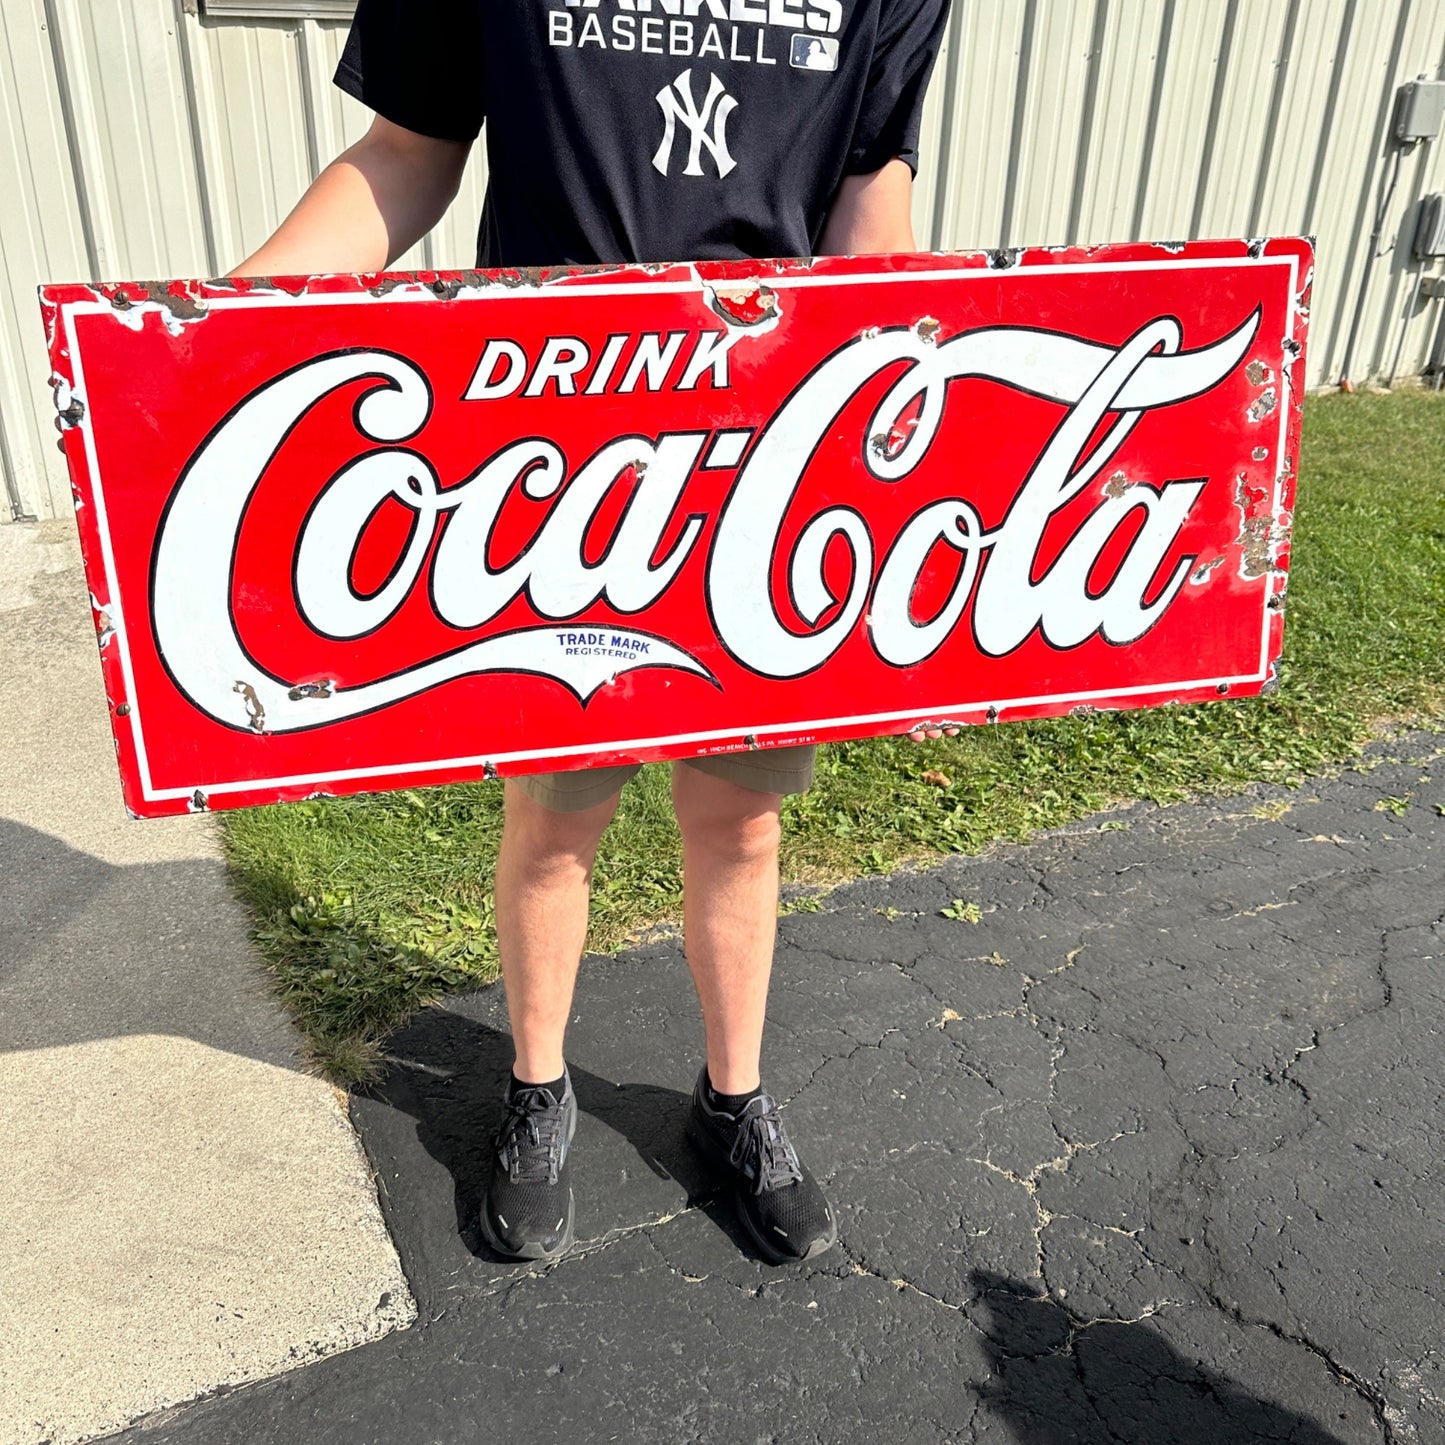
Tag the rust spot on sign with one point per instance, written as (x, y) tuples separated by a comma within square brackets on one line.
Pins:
[(1263, 405), (179, 301), (519, 276), (1257, 373), (1254, 539), (389, 284), (306, 690), (1117, 485), (744, 305), (887, 444), (254, 709)]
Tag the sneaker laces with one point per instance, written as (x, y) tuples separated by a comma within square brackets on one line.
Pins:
[(530, 1139), (761, 1148)]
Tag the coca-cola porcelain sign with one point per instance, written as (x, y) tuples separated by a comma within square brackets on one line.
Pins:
[(357, 533)]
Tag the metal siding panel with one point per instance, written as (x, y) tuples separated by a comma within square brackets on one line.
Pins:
[(1301, 130), (1346, 203), (1121, 128), (1192, 66), (124, 68), (1351, 190), (41, 238), (1058, 68), (208, 138), (1250, 70), (256, 159), (1392, 279), (988, 60)]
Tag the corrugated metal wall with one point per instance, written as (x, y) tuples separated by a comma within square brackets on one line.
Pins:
[(141, 140)]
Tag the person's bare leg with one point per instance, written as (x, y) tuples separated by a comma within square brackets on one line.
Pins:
[(543, 880), (730, 840)]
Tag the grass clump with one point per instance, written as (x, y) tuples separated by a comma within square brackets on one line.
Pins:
[(368, 907)]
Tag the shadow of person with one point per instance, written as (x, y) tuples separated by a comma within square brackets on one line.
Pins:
[(1058, 1383), (447, 1072), (163, 949)]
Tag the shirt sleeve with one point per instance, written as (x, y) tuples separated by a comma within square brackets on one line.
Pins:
[(910, 33), (418, 64)]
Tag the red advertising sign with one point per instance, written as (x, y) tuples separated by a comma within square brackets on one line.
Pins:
[(361, 533)]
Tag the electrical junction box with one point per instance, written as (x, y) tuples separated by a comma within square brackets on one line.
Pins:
[(1430, 228), (1419, 110)]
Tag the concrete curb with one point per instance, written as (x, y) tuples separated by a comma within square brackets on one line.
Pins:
[(184, 1208)]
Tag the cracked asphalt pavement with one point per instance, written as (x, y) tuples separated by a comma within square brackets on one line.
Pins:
[(1147, 1154)]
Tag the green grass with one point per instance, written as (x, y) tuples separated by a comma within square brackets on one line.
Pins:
[(367, 908)]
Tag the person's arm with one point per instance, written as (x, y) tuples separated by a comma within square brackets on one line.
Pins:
[(370, 205), (872, 214)]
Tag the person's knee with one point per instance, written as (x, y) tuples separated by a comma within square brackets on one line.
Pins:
[(731, 823), (549, 839)]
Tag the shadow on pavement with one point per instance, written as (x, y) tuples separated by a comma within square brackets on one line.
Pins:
[(93, 950), (90, 950), (447, 1072), (1056, 1382)]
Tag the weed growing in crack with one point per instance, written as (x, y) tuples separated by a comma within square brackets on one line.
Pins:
[(963, 912)]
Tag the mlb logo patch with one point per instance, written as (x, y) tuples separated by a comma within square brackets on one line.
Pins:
[(814, 52)]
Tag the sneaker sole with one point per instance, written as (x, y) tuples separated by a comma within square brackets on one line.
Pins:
[(535, 1251), (714, 1153)]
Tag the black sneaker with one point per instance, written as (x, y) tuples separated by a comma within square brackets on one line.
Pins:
[(778, 1200), (527, 1211)]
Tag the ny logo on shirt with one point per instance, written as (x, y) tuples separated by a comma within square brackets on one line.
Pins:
[(678, 104)]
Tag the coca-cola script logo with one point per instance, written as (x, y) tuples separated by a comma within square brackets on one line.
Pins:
[(447, 548)]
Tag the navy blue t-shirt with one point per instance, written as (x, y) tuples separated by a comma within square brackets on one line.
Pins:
[(653, 130)]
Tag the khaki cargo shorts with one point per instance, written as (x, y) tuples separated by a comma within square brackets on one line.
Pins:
[(768, 770)]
